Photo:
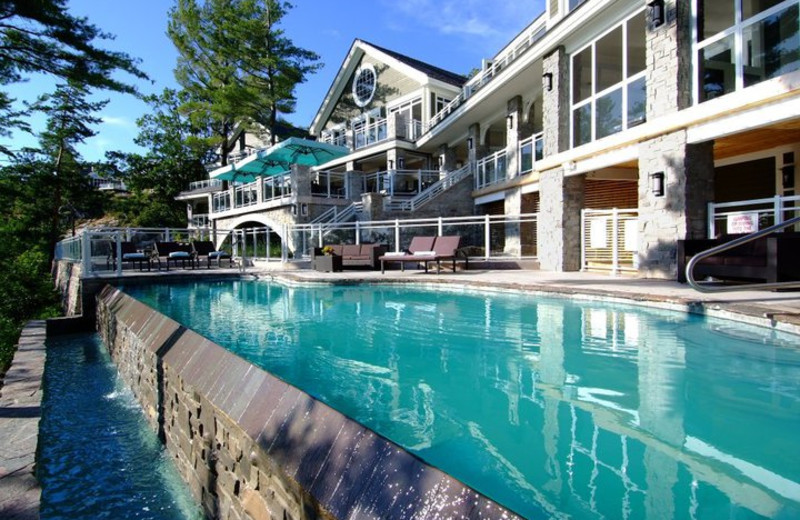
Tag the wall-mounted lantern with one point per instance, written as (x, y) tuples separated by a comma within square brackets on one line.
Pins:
[(470, 143), (656, 13), (657, 184), (547, 81)]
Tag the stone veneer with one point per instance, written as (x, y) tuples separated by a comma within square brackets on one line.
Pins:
[(251, 446)]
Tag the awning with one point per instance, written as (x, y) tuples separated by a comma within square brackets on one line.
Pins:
[(278, 159)]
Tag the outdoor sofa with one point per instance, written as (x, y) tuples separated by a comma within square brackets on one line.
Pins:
[(353, 255)]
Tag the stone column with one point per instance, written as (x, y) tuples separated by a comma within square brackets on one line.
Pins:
[(555, 102), (513, 206), (476, 151), (513, 125), (681, 212), (559, 227), (669, 60), (447, 160)]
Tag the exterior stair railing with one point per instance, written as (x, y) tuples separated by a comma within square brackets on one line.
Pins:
[(730, 245), (433, 190)]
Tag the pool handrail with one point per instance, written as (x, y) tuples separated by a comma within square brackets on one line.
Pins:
[(730, 245)]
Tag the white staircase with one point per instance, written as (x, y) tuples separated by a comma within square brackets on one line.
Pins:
[(433, 191), (335, 215)]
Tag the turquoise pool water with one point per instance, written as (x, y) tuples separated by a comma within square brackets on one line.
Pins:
[(98, 458), (553, 407)]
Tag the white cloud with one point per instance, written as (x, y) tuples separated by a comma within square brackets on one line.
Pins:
[(117, 121)]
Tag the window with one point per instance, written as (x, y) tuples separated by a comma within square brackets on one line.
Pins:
[(743, 42), (440, 103), (608, 83), (365, 82)]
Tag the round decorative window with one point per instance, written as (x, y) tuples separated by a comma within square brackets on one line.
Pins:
[(364, 84)]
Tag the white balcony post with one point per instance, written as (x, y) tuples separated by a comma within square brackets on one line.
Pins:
[(358, 232), (487, 244), (284, 250), (319, 234), (397, 235), (268, 244), (439, 226)]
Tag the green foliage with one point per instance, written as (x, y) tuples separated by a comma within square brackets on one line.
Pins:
[(236, 64), (40, 36)]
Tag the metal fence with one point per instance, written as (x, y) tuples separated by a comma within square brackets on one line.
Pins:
[(748, 216)]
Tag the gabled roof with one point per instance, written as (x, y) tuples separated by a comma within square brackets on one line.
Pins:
[(429, 70), (416, 69)]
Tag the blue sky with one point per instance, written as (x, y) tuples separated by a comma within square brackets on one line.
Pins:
[(454, 35)]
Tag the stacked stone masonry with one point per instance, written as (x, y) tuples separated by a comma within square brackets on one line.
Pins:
[(250, 446)]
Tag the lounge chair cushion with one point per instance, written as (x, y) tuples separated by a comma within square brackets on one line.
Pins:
[(179, 254), (218, 254), (393, 253), (134, 256), (424, 253)]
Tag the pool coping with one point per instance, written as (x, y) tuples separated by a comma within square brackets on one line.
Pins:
[(20, 409)]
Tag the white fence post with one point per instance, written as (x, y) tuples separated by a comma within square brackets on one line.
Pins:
[(268, 244), (397, 235), (86, 253), (439, 227), (614, 242), (778, 208), (712, 222), (358, 232), (487, 242), (118, 247), (583, 240)]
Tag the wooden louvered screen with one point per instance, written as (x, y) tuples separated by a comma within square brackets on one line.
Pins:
[(603, 194)]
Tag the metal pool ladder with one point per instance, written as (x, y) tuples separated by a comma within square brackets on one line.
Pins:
[(730, 245)]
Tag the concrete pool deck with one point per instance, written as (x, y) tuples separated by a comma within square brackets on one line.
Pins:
[(20, 396)]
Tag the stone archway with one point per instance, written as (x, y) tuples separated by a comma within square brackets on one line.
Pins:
[(276, 221)]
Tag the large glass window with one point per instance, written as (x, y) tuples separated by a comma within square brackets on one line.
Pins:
[(608, 82), (744, 42)]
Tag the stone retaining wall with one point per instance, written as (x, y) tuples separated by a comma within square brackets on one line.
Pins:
[(252, 446)]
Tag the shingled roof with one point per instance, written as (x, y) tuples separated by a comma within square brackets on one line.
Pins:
[(433, 72)]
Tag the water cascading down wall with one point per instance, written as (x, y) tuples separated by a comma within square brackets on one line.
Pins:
[(252, 446)]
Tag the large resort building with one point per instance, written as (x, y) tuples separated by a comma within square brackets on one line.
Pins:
[(684, 114)]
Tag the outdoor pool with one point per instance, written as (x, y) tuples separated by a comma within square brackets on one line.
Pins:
[(98, 457), (553, 407)]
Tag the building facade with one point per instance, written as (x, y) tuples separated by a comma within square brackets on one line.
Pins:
[(683, 113)]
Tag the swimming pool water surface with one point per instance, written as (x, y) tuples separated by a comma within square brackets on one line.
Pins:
[(98, 457), (552, 407)]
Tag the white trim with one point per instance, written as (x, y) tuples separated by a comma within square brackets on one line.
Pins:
[(491, 197)]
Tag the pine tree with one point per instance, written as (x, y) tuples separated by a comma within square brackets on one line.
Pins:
[(236, 63), (40, 36)]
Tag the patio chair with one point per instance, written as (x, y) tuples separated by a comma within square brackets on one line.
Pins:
[(205, 249), (173, 252), (419, 250), (446, 248), (130, 253)]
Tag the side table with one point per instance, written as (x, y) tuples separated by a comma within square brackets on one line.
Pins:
[(328, 263)]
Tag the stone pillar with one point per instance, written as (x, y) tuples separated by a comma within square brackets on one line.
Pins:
[(513, 125), (669, 60), (447, 160), (681, 212), (373, 206), (555, 102), (513, 206), (559, 227), (474, 152)]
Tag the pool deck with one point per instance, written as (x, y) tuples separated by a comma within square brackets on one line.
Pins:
[(20, 396)]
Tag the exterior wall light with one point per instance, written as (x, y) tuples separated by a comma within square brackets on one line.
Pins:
[(470, 143), (510, 121), (656, 13), (657, 184), (547, 80)]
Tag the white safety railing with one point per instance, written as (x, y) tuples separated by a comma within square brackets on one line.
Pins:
[(482, 236), (491, 70), (331, 185), (245, 195), (276, 187), (451, 179), (205, 184), (199, 220), (609, 240), (220, 202), (747, 216), (492, 169), (370, 134)]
